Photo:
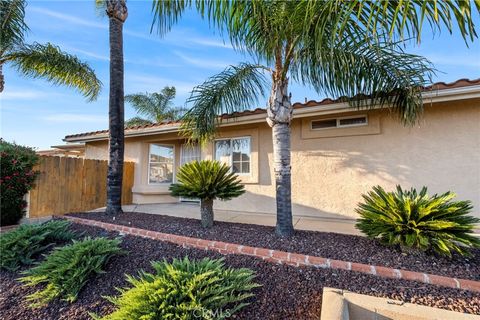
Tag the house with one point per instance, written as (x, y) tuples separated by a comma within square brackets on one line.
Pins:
[(338, 153), (74, 150)]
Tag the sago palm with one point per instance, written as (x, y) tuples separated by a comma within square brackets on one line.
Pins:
[(206, 180), (117, 13), (155, 107), (37, 60), (415, 220), (339, 48)]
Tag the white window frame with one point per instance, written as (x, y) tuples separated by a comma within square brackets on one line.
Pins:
[(231, 153), (149, 163), (338, 125)]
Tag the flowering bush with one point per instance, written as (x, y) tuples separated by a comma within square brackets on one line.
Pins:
[(17, 177)]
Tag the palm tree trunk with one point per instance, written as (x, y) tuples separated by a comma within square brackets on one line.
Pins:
[(117, 13), (279, 116), (206, 212), (2, 78)]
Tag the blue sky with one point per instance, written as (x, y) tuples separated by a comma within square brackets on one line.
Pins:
[(37, 114)]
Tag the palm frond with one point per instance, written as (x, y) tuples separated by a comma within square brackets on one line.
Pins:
[(175, 113), (143, 103), (49, 62), (137, 121), (375, 74), (397, 19), (100, 7), (163, 101), (157, 106), (166, 14), (12, 24), (236, 18), (235, 89), (169, 94), (257, 27)]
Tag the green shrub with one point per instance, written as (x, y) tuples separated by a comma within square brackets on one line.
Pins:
[(66, 270), (16, 178), (207, 180), (20, 246), (184, 289), (417, 221)]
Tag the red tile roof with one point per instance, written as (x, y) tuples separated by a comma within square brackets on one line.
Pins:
[(132, 128), (436, 86)]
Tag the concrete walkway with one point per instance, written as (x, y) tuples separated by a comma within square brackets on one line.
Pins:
[(192, 210)]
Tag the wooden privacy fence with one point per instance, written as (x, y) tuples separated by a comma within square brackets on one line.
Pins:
[(73, 184)]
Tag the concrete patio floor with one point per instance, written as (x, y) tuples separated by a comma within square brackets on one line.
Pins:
[(192, 210)]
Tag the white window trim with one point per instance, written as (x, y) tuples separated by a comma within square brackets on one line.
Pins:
[(231, 154), (149, 163), (338, 125)]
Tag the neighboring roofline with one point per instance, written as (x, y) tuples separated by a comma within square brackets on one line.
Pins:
[(439, 92), (70, 146)]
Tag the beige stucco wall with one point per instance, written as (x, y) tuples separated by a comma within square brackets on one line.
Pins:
[(332, 168)]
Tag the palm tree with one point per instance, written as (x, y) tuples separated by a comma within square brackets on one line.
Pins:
[(156, 107), (339, 48), (207, 180), (117, 13), (40, 60)]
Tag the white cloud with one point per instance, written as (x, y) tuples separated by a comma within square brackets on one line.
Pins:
[(89, 23), (87, 53), (22, 94), (203, 63), (75, 118), (211, 43), (155, 62), (146, 83), (183, 41), (69, 18)]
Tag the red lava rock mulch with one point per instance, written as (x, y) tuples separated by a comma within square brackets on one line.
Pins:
[(321, 244), (287, 292)]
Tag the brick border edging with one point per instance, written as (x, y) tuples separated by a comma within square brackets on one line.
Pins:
[(282, 257), (8, 228)]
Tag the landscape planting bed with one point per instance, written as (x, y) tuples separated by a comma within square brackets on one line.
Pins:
[(287, 292), (320, 244)]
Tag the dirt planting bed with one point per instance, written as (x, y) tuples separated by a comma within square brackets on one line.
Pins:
[(322, 244), (287, 292)]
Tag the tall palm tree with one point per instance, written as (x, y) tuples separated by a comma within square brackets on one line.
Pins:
[(339, 48), (156, 107), (117, 13), (40, 60)]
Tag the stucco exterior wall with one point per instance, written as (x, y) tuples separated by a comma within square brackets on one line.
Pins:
[(332, 168)]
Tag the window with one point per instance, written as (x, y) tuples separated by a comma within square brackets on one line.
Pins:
[(339, 122), (235, 153), (357, 121), (322, 124), (189, 153), (161, 164)]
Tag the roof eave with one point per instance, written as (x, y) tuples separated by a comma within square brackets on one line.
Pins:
[(434, 96)]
